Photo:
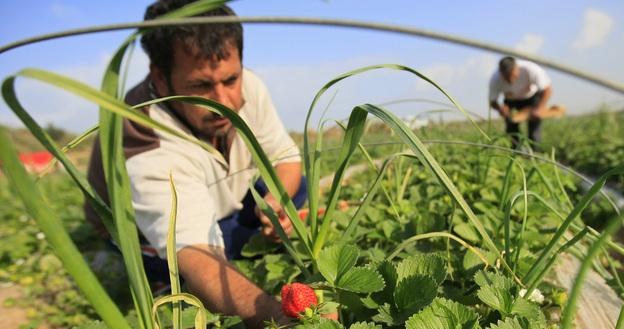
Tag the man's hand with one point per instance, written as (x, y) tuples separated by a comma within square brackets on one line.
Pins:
[(537, 111), (268, 230), (504, 111)]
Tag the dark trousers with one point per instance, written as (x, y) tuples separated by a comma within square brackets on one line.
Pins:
[(237, 229), (534, 124)]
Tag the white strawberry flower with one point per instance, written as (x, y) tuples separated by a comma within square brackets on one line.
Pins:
[(536, 295)]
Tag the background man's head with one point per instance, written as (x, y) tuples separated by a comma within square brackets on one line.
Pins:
[(198, 60), (508, 69)]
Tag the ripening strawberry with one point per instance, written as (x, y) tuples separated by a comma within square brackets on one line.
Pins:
[(296, 297)]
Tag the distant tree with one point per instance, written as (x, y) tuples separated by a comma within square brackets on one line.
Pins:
[(56, 133)]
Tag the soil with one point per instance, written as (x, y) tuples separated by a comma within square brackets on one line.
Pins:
[(12, 317)]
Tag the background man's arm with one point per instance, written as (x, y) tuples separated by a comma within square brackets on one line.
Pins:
[(223, 289), (502, 109), (541, 106)]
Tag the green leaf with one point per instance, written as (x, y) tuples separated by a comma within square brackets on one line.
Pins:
[(258, 245), (529, 310), (496, 291), (442, 314), (365, 325), (498, 299), (467, 232), (525, 308), (511, 323), (414, 292), (484, 279), (471, 262), (335, 261), (232, 322), (389, 274), (385, 314), (424, 264), (328, 307), (361, 279), (321, 324)]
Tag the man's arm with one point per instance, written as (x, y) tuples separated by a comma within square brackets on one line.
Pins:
[(223, 289), (494, 94), (289, 174)]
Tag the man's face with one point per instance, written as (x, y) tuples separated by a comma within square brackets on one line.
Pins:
[(513, 75), (196, 75)]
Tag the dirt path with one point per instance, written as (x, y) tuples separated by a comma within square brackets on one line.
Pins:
[(599, 306), (12, 317)]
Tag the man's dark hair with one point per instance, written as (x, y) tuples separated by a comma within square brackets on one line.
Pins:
[(211, 40), (506, 65)]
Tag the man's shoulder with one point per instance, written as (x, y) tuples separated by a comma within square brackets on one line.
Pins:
[(253, 86), (139, 93), (528, 65), (495, 79)]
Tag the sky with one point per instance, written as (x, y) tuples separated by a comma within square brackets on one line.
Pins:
[(296, 61)]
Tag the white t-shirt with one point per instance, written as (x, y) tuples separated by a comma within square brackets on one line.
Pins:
[(208, 189), (531, 80)]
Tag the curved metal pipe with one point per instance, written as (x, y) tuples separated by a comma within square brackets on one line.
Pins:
[(615, 86)]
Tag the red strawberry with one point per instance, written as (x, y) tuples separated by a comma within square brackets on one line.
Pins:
[(296, 297)]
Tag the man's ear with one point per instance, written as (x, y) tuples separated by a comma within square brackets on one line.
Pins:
[(159, 80)]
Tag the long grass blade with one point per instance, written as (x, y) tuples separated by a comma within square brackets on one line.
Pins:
[(100, 207), (57, 236), (506, 183), (431, 235), (580, 206), (355, 130), (554, 258), (373, 166), (264, 207), (119, 194), (70, 146), (200, 317), (620, 320), (172, 256), (372, 191)]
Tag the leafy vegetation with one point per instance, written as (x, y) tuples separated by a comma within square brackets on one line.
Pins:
[(413, 204)]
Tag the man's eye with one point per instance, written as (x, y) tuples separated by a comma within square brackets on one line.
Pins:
[(202, 86), (230, 81)]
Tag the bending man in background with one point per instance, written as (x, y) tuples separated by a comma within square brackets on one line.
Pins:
[(524, 86)]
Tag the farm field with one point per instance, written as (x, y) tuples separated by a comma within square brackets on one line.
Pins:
[(402, 235), (408, 223)]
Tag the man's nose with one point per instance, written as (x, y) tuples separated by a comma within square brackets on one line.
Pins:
[(220, 95)]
